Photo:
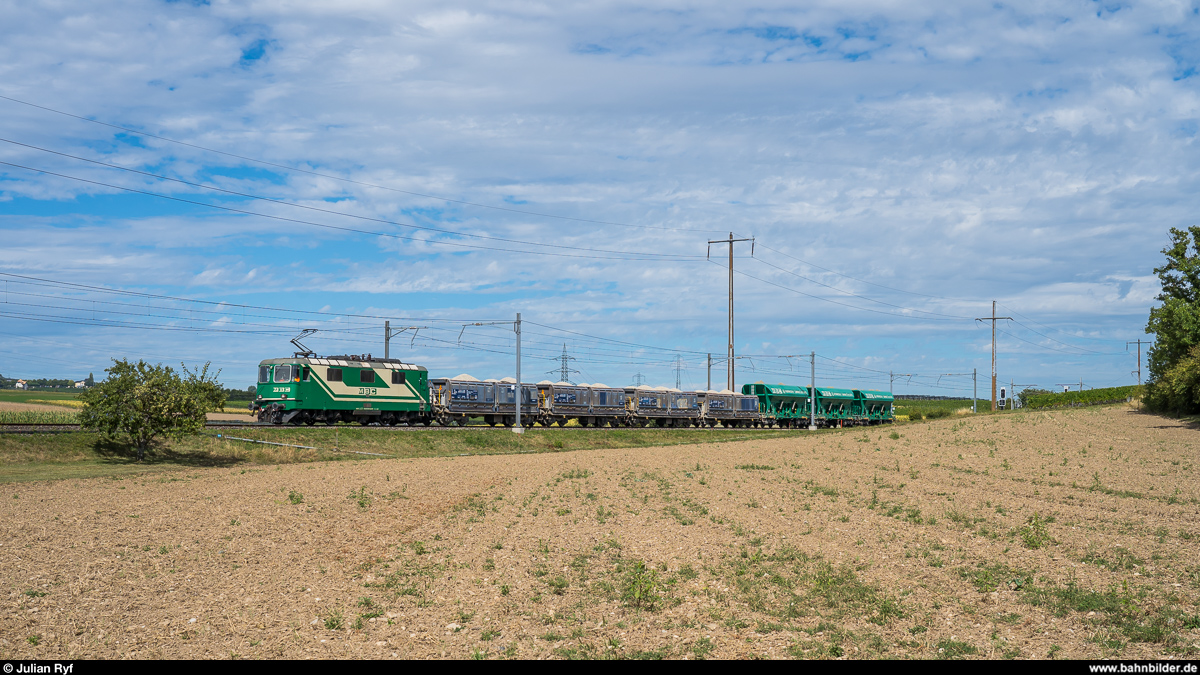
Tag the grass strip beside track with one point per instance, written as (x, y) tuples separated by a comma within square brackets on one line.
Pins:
[(81, 454)]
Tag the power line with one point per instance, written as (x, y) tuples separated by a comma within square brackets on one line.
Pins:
[(1052, 349), (418, 194), (426, 228), (1079, 337), (855, 295), (863, 281), (835, 302), (332, 212), (437, 242), (118, 291), (342, 179)]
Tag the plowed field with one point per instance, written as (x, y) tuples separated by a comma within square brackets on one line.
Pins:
[(1029, 535)]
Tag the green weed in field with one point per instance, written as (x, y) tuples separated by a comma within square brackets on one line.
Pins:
[(641, 587), (1034, 532)]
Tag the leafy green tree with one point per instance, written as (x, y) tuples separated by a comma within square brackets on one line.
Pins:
[(1173, 386), (1177, 390), (141, 402)]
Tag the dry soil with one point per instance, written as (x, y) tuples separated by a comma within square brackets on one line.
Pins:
[(1030, 535)]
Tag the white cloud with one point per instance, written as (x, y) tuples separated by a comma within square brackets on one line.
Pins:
[(1031, 152)]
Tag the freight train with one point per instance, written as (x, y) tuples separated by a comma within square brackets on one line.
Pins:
[(359, 388)]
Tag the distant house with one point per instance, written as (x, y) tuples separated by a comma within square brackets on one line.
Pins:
[(80, 384), (21, 384)]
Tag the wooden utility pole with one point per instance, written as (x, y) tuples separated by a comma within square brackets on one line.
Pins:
[(993, 318), (729, 366)]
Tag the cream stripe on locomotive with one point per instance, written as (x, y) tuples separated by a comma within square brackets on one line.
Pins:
[(349, 392)]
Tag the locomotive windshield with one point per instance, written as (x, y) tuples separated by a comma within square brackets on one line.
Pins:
[(283, 373)]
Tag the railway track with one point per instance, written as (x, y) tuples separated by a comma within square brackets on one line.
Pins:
[(26, 428), (23, 428)]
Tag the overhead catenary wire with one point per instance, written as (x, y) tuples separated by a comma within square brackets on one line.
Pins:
[(596, 354), (435, 343), (221, 310)]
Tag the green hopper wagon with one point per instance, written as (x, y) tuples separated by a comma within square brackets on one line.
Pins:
[(781, 405), (874, 407), (835, 407)]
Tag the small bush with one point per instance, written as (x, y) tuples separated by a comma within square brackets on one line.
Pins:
[(295, 497), (915, 416)]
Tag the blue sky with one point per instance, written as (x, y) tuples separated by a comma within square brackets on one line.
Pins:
[(899, 168)]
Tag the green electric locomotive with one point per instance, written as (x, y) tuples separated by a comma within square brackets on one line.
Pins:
[(310, 390)]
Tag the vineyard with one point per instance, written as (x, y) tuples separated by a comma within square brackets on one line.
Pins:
[(1081, 398)]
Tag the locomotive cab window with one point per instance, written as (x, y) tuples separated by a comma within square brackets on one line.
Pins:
[(397, 377), (264, 373), (333, 375), (366, 376), (283, 373), (307, 370)]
